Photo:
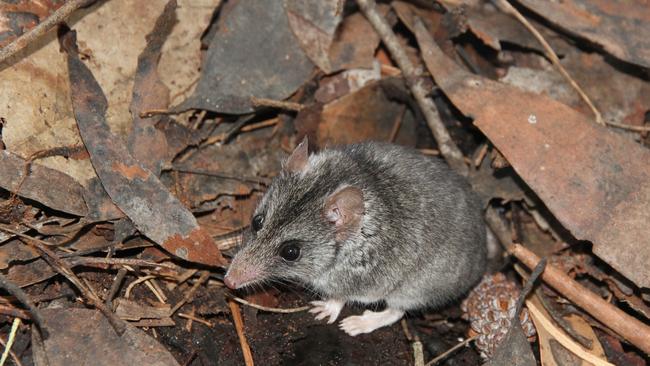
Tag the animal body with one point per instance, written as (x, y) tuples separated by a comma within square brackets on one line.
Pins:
[(366, 223)]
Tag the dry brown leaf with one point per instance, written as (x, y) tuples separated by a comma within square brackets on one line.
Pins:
[(621, 27), (593, 180), (554, 338), (34, 92)]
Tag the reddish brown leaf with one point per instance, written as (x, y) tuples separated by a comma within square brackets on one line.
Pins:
[(367, 114), (146, 143), (140, 195), (595, 181)]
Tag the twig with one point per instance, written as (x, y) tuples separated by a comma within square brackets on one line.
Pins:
[(418, 354), (235, 129), (188, 325), (561, 337), (630, 328), (10, 341), (415, 82), (81, 261), (279, 104), (505, 6), (444, 355), (189, 294), (63, 269), (11, 353), (629, 127), (256, 126), (180, 168), (267, 309), (57, 17), (239, 326), (115, 287), (160, 294), (131, 285), (196, 319), (184, 277)]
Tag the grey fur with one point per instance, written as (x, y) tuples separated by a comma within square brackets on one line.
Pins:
[(422, 237)]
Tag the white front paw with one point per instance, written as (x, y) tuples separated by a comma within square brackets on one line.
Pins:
[(329, 308), (357, 324), (369, 321)]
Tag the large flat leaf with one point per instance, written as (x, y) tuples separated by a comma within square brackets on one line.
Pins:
[(594, 180)]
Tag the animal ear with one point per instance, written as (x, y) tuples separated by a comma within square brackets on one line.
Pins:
[(344, 209), (297, 161)]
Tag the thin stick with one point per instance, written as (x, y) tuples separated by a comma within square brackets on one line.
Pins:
[(196, 319), (630, 328), (189, 294), (184, 277), (11, 353), (418, 354), (415, 81), (10, 341), (115, 287), (505, 6), (444, 355), (280, 104), (57, 17), (80, 261), (256, 126), (188, 325), (131, 285), (270, 310), (629, 127), (239, 326)]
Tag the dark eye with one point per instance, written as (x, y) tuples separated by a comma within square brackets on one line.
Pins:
[(290, 251), (257, 223)]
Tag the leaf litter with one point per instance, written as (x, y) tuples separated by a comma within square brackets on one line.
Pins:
[(132, 162)]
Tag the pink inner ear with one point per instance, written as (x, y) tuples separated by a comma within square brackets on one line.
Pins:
[(344, 208), (333, 215), (297, 161)]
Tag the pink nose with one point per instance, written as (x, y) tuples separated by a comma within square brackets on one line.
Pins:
[(229, 282)]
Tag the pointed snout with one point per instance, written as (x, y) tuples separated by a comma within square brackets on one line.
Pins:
[(238, 277)]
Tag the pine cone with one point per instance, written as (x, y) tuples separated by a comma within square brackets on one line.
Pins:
[(490, 308)]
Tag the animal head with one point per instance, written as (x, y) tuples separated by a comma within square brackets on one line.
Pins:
[(299, 223)]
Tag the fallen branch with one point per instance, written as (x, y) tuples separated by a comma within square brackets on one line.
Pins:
[(628, 327), (415, 81), (57, 17)]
